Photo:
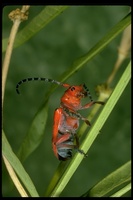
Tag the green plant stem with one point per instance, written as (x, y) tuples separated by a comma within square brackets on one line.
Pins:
[(16, 22), (8, 55)]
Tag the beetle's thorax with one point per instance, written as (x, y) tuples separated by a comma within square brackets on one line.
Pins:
[(72, 97)]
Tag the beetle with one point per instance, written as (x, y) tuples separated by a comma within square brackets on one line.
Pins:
[(66, 117)]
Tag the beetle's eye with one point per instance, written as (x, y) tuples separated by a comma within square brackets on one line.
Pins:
[(72, 88)]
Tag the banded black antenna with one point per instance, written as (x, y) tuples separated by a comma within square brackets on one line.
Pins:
[(88, 92), (89, 95), (39, 79)]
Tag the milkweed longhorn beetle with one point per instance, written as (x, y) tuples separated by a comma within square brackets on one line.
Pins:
[(66, 117)]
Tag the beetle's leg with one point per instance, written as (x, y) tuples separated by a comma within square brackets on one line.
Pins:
[(88, 105), (76, 115), (77, 146)]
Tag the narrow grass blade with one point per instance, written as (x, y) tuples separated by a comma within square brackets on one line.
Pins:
[(17, 166), (14, 178)]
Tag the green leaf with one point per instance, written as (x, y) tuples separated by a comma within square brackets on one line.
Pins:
[(35, 133), (38, 23), (17, 166), (113, 181)]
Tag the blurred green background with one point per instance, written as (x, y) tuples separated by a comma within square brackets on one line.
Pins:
[(48, 54)]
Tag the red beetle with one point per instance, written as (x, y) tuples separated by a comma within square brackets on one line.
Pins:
[(66, 117)]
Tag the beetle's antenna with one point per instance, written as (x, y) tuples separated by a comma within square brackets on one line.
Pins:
[(40, 79), (89, 95), (88, 92)]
